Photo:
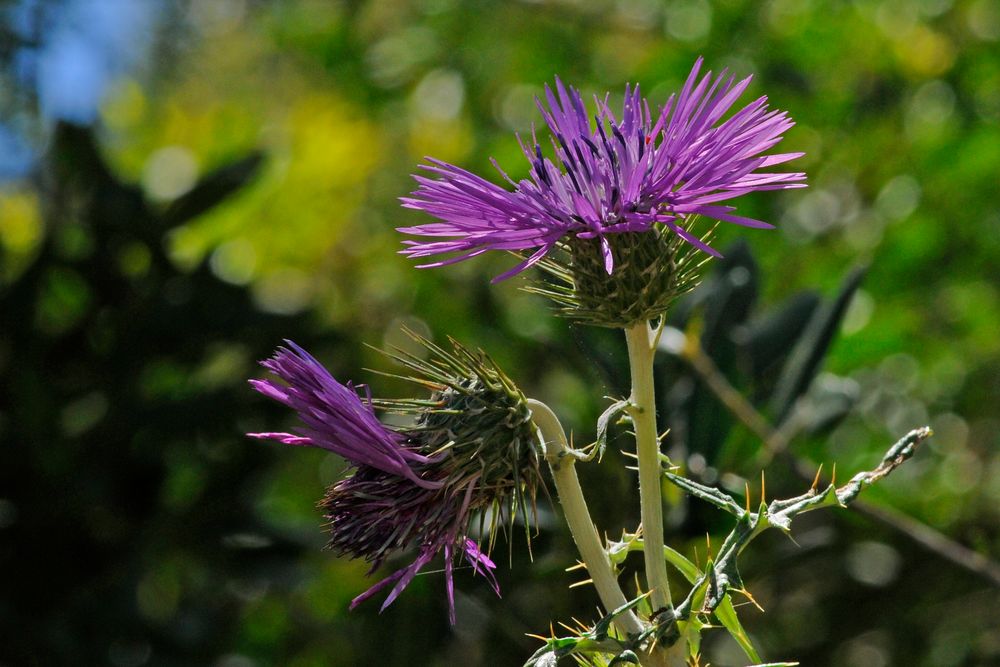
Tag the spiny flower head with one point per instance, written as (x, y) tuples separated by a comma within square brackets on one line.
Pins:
[(469, 452), (629, 173)]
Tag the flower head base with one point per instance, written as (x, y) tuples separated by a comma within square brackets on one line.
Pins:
[(652, 269), (479, 417), (626, 174), (470, 449)]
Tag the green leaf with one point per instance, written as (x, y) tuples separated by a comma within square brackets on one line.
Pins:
[(683, 565), (808, 353), (726, 614), (709, 494), (691, 632), (602, 627), (768, 340), (625, 657)]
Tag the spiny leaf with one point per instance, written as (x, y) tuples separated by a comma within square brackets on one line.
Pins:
[(614, 410), (601, 628), (707, 493), (617, 551)]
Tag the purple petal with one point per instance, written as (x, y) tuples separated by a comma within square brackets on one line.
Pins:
[(612, 177), (334, 416), (407, 574), (449, 582), (481, 564)]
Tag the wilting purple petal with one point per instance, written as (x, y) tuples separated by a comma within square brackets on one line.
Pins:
[(612, 177), (285, 438), (481, 564), (410, 571), (335, 417), (371, 592), (449, 582)]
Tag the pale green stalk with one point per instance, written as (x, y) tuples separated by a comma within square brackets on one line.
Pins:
[(562, 462), (642, 409)]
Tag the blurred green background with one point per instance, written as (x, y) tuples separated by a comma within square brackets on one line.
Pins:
[(185, 183)]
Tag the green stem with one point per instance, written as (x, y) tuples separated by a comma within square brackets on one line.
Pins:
[(588, 542), (643, 413)]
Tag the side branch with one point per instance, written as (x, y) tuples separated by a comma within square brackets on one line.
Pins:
[(563, 465), (776, 444), (722, 574)]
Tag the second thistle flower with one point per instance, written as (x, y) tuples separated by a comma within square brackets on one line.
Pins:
[(470, 452)]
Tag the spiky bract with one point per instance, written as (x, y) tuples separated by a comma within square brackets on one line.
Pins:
[(652, 269)]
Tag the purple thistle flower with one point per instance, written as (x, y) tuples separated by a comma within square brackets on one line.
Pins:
[(411, 487), (334, 416), (635, 173)]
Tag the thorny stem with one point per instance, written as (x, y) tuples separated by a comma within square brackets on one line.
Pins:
[(776, 442), (778, 514), (642, 409), (588, 542)]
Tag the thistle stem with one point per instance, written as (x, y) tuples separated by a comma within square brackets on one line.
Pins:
[(581, 526), (643, 413)]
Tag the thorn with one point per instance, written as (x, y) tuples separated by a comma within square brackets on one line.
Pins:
[(833, 477), (578, 566), (581, 583), (763, 489), (816, 479), (746, 594), (629, 454), (538, 637), (746, 490), (708, 545), (566, 626)]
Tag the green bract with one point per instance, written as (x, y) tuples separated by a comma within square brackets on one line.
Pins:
[(652, 269)]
